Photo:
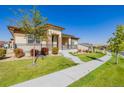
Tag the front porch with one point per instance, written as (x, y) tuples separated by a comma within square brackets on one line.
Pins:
[(69, 42), (62, 42)]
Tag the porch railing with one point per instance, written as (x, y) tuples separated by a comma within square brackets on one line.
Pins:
[(27, 47), (69, 47)]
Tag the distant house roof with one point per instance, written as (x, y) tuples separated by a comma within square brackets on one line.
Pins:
[(67, 35), (46, 27), (2, 43), (86, 44)]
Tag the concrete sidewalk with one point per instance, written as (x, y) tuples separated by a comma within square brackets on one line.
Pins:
[(65, 77), (75, 59)]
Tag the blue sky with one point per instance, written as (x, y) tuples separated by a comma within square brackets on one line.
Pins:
[(93, 24)]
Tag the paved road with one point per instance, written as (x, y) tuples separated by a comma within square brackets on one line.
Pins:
[(65, 77)]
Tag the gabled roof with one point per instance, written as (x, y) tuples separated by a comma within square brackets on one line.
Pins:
[(54, 27), (15, 29), (67, 35)]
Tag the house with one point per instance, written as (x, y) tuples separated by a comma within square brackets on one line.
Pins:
[(85, 47), (101, 48), (56, 38), (2, 43)]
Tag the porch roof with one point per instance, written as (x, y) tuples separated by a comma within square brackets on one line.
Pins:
[(15, 29), (71, 36)]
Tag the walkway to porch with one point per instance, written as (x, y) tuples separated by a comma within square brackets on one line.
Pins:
[(65, 77), (75, 59)]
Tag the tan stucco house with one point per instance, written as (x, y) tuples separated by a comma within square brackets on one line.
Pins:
[(56, 38)]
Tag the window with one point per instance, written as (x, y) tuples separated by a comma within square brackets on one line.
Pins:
[(31, 40), (38, 40), (73, 42)]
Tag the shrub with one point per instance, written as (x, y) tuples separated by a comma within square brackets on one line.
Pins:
[(55, 50), (19, 52), (90, 51), (44, 51), (79, 50), (2, 53), (32, 52), (87, 51)]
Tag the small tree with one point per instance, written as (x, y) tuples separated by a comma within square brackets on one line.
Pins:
[(32, 23), (116, 43)]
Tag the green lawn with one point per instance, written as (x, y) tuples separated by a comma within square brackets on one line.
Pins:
[(19, 71), (90, 56), (107, 75)]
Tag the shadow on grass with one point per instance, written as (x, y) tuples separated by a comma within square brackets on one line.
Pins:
[(4, 58), (94, 58), (36, 59), (39, 56)]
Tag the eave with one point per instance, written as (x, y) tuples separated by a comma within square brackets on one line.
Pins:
[(14, 29)]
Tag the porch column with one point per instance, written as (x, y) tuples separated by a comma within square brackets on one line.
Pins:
[(69, 42), (50, 43), (13, 44), (60, 42)]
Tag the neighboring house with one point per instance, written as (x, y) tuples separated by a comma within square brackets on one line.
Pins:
[(2, 44), (85, 47), (101, 48), (55, 39)]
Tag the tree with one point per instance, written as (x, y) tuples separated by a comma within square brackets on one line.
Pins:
[(116, 43), (32, 23)]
